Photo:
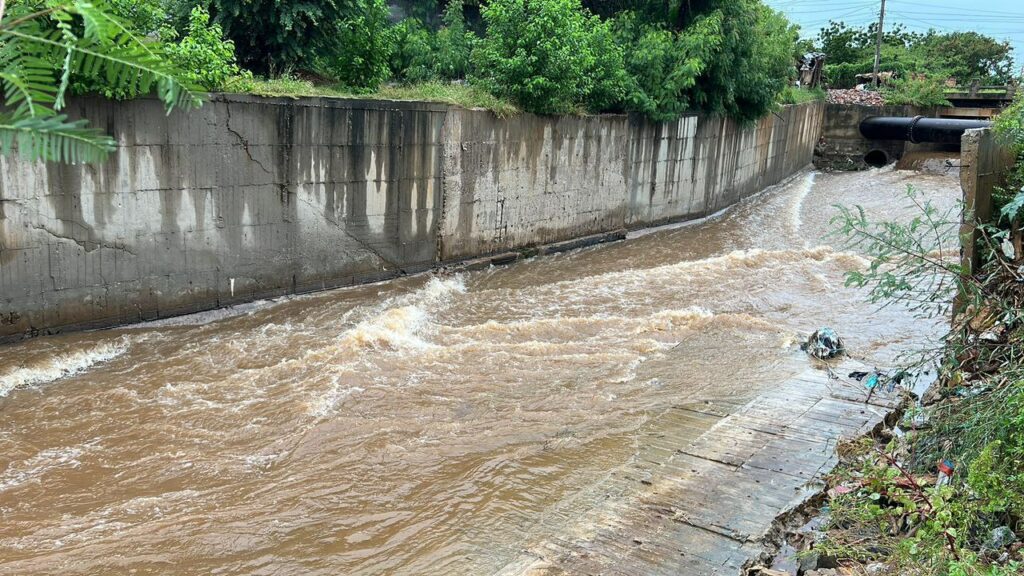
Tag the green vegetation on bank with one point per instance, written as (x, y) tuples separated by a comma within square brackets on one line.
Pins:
[(794, 95), (920, 64), (660, 59), (465, 95), (890, 505), (919, 92), (961, 56)]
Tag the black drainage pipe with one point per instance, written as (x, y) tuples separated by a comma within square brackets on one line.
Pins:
[(876, 158), (918, 129)]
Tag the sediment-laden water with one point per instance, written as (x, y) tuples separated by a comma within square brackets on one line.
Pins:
[(438, 424)]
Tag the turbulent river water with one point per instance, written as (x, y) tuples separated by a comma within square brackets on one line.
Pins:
[(438, 424)]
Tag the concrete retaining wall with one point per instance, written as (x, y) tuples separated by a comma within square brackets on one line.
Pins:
[(985, 164), (249, 198), (531, 180), (843, 148)]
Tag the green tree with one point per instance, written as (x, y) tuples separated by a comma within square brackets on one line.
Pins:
[(84, 38), (413, 57), (752, 63), (145, 17), (453, 44), (611, 82), (361, 48), (278, 36), (965, 56), (664, 65), (205, 58), (536, 53)]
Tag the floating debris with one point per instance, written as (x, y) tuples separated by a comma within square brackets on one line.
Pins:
[(824, 344)]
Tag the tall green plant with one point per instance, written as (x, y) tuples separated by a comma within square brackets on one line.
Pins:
[(278, 36), (921, 92), (42, 45), (453, 44), (550, 56), (358, 54), (204, 56), (664, 65), (536, 53), (752, 63)]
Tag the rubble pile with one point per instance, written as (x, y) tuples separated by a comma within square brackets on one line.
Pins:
[(858, 97)]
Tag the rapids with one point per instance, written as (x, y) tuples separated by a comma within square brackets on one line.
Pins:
[(436, 424)]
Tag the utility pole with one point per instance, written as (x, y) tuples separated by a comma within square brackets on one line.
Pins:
[(878, 43)]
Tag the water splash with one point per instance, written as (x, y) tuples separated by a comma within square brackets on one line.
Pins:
[(61, 366), (400, 322)]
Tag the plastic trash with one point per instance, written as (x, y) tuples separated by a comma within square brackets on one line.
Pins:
[(1000, 538), (872, 380), (945, 473), (824, 344)]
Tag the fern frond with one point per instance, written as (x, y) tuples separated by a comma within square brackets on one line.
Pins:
[(126, 66), (54, 138), (41, 51)]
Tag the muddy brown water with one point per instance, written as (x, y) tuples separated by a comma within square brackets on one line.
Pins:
[(438, 424)]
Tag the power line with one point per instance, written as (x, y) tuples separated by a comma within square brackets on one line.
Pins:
[(971, 12)]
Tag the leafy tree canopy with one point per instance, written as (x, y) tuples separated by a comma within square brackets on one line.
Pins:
[(964, 56)]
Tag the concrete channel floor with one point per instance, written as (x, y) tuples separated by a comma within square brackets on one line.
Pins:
[(708, 501)]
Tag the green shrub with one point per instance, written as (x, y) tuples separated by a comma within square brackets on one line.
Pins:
[(536, 52), (664, 65), (611, 82), (924, 93), (844, 75), (145, 17), (277, 36), (752, 61), (413, 57), (362, 48), (997, 480), (422, 55), (206, 58), (452, 45)]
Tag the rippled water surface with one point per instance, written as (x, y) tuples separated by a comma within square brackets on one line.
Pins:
[(438, 424)]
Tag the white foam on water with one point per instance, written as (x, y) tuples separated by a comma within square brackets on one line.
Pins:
[(18, 473), (210, 316), (756, 258), (61, 366), (796, 218), (325, 405), (401, 322)]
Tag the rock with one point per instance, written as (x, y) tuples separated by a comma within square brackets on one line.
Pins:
[(875, 569), (762, 571), (1000, 538), (859, 97), (807, 562), (786, 560)]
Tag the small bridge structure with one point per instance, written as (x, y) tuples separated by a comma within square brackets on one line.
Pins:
[(978, 101)]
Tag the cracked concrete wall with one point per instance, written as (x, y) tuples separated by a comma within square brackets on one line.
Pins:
[(250, 198), (528, 180), (244, 198)]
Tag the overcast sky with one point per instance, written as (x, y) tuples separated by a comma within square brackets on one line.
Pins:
[(1001, 19)]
